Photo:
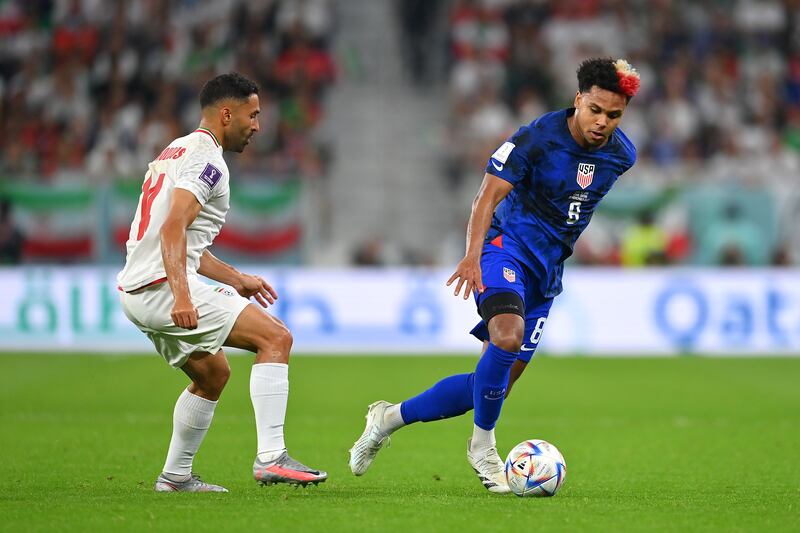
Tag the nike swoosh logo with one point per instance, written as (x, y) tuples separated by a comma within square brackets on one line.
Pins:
[(526, 349), (496, 166)]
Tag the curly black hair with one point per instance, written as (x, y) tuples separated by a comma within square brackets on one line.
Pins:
[(232, 85), (601, 72)]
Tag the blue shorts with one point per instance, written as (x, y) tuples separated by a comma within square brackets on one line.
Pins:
[(504, 273)]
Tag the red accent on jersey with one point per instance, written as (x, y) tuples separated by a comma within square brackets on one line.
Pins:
[(154, 282), (210, 134), (497, 241), (148, 195), (171, 152)]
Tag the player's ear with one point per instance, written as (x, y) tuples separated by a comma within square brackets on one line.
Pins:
[(577, 103), (225, 115)]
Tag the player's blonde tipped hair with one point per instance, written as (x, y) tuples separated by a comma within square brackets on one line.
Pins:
[(616, 75), (628, 78)]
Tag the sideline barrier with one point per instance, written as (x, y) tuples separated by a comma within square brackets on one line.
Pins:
[(601, 312)]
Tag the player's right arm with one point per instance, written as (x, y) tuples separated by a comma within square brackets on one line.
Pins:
[(468, 271), (183, 209)]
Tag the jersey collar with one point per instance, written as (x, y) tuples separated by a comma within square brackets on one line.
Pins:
[(210, 134)]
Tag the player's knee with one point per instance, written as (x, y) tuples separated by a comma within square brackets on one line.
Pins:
[(281, 339), (223, 376), (509, 341), (286, 339), (277, 339)]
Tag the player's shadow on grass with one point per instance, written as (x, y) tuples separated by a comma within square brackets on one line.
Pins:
[(380, 492)]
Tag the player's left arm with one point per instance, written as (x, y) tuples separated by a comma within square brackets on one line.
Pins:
[(246, 285)]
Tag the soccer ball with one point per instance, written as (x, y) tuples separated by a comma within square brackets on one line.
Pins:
[(535, 468)]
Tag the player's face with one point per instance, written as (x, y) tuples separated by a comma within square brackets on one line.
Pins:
[(243, 124), (597, 114)]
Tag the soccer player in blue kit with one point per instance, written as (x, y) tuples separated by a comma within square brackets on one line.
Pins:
[(538, 194)]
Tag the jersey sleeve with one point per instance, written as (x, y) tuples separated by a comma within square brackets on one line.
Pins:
[(631, 159), (511, 160), (627, 152), (200, 176)]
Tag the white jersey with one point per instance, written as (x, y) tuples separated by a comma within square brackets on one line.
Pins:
[(194, 163)]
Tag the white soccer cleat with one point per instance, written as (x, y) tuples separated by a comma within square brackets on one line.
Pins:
[(366, 447), (490, 468), (165, 483), (284, 469)]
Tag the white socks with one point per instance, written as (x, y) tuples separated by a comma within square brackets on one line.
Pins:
[(269, 391), (482, 439), (392, 419), (190, 422)]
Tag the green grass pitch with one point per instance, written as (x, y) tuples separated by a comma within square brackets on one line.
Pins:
[(677, 444)]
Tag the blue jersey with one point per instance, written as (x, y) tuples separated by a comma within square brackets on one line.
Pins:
[(557, 186)]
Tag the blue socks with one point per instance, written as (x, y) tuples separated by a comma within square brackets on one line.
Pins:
[(450, 397), (484, 390), (491, 381)]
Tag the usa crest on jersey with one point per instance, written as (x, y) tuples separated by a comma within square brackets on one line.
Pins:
[(585, 174)]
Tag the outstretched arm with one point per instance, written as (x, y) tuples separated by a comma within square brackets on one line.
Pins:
[(218, 270), (245, 284), (468, 270)]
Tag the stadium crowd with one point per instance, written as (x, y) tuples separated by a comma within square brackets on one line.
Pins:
[(717, 122), (90, 90)]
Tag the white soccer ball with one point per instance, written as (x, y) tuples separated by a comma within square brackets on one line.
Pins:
[(535, 468)]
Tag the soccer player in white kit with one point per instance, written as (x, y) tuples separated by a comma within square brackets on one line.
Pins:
[(185, 197)]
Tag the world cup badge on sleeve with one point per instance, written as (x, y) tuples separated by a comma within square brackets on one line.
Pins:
[(585, 174), (509, 274), (210, 175)]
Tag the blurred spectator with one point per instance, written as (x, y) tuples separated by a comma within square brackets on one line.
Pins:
[(734, 240), (11, 239), (417, 19), (477, 26), (314, 16), (302, 66), (369, 253), (644, 243)]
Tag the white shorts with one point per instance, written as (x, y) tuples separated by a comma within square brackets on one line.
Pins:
[(149, 309)]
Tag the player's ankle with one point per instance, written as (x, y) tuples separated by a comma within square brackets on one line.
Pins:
[(269, 456), (392, 419), (177, 478), (482, 439)]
